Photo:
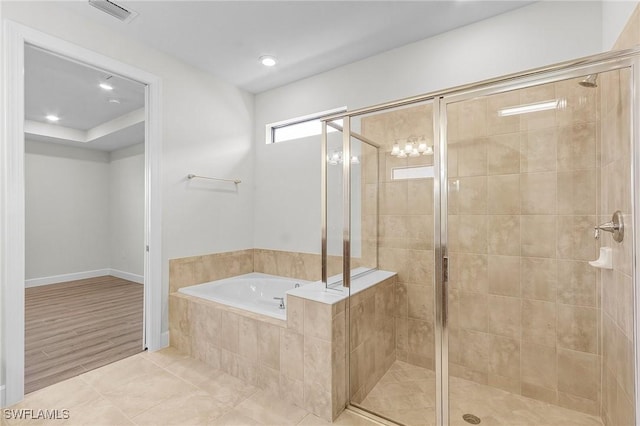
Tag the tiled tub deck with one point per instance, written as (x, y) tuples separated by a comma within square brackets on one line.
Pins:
[(302, 359)]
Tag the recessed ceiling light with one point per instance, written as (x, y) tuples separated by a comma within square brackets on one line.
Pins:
[(268, 61), (105, 86), (114, 101), (52, 117)]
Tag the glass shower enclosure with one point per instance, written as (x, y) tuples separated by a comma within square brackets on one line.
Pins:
[(490, 204)]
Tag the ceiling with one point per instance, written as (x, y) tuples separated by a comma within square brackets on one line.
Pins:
[(226, 38), (70, 90), (118, 139)]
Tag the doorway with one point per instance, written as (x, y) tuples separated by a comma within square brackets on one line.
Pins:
[(84, 216), (12, 193)]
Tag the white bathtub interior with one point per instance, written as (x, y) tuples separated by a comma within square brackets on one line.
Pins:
[(256, 292)]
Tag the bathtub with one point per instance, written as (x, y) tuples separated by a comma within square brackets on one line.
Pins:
[(253, 292)]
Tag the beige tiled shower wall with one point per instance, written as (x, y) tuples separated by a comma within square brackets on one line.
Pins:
[(617, 285), (524, 306), (404, 227)]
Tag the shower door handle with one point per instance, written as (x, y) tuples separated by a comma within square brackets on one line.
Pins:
[(444, 291), (615, 226)]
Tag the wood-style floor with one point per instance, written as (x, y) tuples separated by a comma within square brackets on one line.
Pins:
[(77, 326)]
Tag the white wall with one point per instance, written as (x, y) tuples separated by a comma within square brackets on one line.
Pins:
[(207, 129), (2, 256), (615, 15), (84, 211), (126, 210), (283, 219), (67, 210), (291, 218), (536, 35)]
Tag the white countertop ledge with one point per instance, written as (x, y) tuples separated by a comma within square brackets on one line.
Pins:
[(317, 292)]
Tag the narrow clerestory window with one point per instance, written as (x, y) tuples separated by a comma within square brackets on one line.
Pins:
[(300, 127)]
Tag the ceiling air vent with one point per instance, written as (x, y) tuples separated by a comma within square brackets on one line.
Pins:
[(114, 9)]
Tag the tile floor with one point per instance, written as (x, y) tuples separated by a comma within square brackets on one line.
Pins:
[(169, 388), (165, 388), (406, 393)]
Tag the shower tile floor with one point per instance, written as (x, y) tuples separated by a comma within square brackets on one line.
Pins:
[(406, 393)]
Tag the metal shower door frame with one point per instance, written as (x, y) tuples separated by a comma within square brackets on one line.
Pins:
[(624, 60), (571, 69)]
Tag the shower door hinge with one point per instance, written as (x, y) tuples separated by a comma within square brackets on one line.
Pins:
[(147, 248)]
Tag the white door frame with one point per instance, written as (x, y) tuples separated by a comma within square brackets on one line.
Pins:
[(12, 195)]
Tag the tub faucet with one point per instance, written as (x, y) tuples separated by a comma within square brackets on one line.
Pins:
[(281, 299), (297, 285)]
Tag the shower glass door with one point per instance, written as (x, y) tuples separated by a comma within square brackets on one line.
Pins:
[(334, 209), (531, 324), (392, 349), (482, 204)]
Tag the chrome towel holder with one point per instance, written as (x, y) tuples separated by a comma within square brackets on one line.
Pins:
[(192, 176)]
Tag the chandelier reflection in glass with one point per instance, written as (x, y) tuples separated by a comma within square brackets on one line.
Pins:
[(411, 147), (335, 158)]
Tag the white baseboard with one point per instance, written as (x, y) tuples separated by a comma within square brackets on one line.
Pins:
[(127, 276), (35, 282), (2, 400)]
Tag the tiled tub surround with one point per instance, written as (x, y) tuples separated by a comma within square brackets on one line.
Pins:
[(188, 271), (302, 359), (306, 266)]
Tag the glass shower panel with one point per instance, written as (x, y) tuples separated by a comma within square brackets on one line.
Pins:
[(391, 325), (362, 160), (364, 207), (530, 173), (335, 211)]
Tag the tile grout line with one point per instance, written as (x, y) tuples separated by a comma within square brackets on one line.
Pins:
[(225, 412), (106, 398), (163, 368)]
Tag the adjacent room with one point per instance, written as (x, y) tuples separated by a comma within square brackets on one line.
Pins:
[(84, 213)]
